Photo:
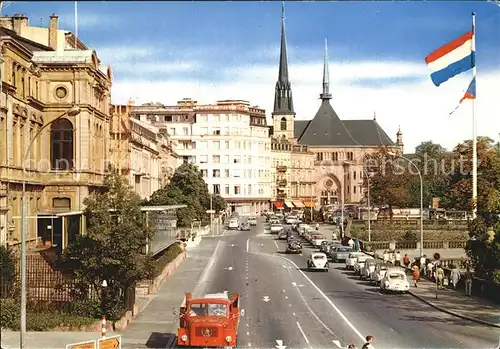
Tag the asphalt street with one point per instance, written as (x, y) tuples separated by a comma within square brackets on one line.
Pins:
[(284, 303)]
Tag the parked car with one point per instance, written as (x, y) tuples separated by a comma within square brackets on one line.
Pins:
[(368, 268), (352, 258), (360, 263), (317, 239), (252, 220), (324, 246), (291, 219), (282, 235), (379, 272), (395, 281), (340, 252), (276, 228), (317, 261)]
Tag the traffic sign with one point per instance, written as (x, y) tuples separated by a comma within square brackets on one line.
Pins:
[(112, 342), (83, 345), (210, 211)]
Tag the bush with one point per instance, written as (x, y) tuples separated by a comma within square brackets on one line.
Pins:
[(7, 272), (168, 256), (86, 308), (39, 320)]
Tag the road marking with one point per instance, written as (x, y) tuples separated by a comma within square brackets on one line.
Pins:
[(248, 333), (293, 314), (277, 247), (206, 272), (266, 299), (249, 344), (280, 345), (248, 325), (337, 310), (289, 305), (229, 268), (304, 335), (337, 343), (286, 297), (248, 245)]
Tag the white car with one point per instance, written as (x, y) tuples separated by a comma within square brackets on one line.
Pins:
[(317, 239), (395, 281), (360, 263), (351, 260), (317, 261), (276, 228), (379, 272), (252, 220), (368, 269), (233, 224), (291, 220)]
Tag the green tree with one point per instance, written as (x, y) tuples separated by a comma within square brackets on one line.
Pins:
[(187, 187), (113, 249), (388, 180), (7, 272)]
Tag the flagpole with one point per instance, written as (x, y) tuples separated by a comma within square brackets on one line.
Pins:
[(474, 124), (76, 25)]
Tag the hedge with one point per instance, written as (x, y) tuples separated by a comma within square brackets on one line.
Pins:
[(39, 320), (167, 256)]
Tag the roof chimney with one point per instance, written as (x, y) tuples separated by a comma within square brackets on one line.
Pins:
[(54, 23), (19, 22)]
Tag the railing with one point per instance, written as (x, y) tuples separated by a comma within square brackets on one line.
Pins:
[(281, 168), (457, 244), (282, 182), (404, 245), (433, 245)]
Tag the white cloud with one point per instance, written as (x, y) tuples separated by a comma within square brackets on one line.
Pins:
[(140, 68), (420, 108), (87, 20)]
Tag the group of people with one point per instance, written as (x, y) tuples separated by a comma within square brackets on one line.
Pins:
[(367, 345)]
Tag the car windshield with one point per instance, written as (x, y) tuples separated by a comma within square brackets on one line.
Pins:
[(205, 309), (397, 276), (275, 226), (343, 249), (318, 256)]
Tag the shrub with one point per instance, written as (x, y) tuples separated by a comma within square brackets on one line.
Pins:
[(7, 272), (9, 316), (168, 256), (86, 308)]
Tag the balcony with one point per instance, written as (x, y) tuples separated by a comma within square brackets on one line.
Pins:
[(281, 168), (281, 196), (281, 183)]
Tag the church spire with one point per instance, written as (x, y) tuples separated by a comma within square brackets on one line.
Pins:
[(283, 102), (326, 76)]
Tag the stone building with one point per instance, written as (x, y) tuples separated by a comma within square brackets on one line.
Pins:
[(40, 84), (338, 146), (141, 153), (229, 142)]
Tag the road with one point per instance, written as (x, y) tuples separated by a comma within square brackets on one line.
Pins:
[(303, 309)]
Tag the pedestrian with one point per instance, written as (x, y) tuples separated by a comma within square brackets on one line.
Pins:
[(351, 346), (406, 261), (423, 263), (368, 344), (440, 276), (455, 276), (430, 269), (351, 243), (397, 259), (356, 245), (386, 256), (468, 282), (416, 274)]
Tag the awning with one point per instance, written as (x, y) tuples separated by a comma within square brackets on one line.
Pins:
[(298, 204), (289, 204), (278, 205), (309, 204)]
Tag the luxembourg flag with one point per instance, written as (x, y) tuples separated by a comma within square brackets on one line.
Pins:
[(452, 59)]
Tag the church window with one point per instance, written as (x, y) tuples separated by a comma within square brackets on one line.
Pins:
[(283, 124), (61, 150)]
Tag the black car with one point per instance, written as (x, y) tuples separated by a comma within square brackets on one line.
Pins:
[(294, 247), (282, 235)]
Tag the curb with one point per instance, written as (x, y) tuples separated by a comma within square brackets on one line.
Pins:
[(444, 310)]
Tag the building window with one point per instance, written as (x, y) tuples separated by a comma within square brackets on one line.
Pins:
[(204, 173), (216, 173), (237, 190), (216, 159), (61, 204), (61, 145), (237, 159), (354, 175), (185, 131), (172, 131), (227, 173), (226, 189), (203, 159), (354, 189), (216, 189), (283, 124), (216, 131)]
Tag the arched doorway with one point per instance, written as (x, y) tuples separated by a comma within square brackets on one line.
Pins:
[(329, 190)]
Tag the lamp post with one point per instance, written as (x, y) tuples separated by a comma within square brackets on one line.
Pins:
[(70, 112), (421, 201), (312, 190), (369, 207)]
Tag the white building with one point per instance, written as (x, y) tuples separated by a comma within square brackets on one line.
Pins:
[(229, 142)]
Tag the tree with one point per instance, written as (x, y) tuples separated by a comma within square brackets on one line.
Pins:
[(433, 163), (389, 179), (187, 187), (113, 248)]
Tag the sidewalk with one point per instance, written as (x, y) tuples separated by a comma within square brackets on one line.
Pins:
[(456, 303)]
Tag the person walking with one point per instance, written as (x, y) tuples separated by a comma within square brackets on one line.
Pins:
[(397, 259), (351, 243), (406, 261), (386, 257), (468, 282), (368, 344), (423, 264), (455, 276), (440, 276), (416, 274), (356, 245)]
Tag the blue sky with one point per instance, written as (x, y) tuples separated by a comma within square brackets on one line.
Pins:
[(207, 46)]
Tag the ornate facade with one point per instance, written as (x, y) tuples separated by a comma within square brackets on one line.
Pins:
[(141, 153), (40, 84), (336, 148)]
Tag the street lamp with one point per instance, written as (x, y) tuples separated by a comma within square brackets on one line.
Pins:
[(421, 201), (74, 111)]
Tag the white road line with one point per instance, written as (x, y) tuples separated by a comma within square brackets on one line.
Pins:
[(293, 314), (337, 310), (248, 325), (248, 245), (289, 305), (286, 297), (249, 344), (304, 335), (248, 333), (206, 272), (277, 247)]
